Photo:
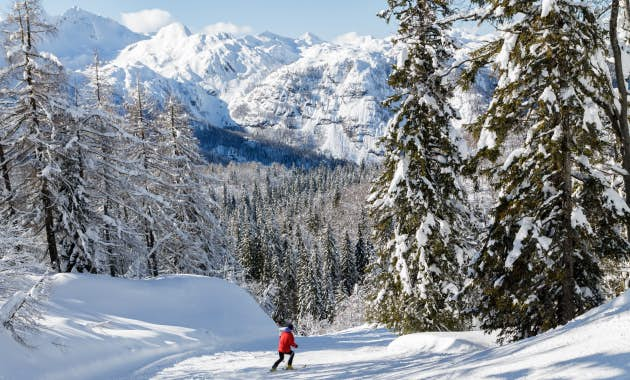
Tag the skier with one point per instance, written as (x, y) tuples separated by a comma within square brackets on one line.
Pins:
[(284, 347)]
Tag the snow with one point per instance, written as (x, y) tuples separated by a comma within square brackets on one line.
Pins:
[(615, 202), (526, 227), (487, 139), (515, 154), (548, 96), (547, 7), (591, 116), (441, 343), (111, 327), (509, 42), (593, 346), (80, 34), (578, 219), (182, 327)]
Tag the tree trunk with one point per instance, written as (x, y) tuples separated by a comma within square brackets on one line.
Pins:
[(153, 265), (622, 114), (5, 170), (567, 302), (108, 237), (49, 224)]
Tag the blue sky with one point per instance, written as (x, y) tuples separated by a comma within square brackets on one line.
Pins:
[(325, 18)]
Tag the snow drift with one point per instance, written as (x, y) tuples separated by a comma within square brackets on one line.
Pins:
[(101, 327), (592, 346), (441, 343)]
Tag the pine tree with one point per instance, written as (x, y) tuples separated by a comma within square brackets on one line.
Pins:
[(617, 111), (249, 252), (196, 245), (418, 202), (361, 252), (286, 280), (330, 272), (557, 214), (307, 288), (348, 268), (30, 142), (108, 180), (76, 218), (154, 190)]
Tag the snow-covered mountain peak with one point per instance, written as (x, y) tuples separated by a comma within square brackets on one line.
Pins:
[(220, 36), (81, 33), (309, 39), (173, 32)]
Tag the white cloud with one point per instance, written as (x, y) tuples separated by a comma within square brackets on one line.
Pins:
[(227, 27), (355, 39), (352, 38), (147, 20)]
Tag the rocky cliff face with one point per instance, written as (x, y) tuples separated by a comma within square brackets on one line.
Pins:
[(329, 100)]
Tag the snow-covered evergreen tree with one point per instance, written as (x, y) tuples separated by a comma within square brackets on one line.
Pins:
[(557, 214), (307, 287), (417, 202), (287, 283), (361, 249), (347, 266), (31, 98), (108, 172), (197, 244), (330, 271)]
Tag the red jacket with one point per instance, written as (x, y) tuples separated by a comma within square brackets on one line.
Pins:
[(286, 342)]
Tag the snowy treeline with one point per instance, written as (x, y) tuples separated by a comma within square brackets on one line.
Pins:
[(302, 238), (94, 186), (553, 145)]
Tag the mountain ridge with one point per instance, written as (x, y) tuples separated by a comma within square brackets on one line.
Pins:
[(304, 93)]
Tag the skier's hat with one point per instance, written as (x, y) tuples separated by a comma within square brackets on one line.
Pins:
[(290, 326)]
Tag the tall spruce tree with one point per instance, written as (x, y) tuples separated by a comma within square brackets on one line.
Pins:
[(307, 287), (557, 214), (347, 266), (417, 202), (361, 250), (330, 271)]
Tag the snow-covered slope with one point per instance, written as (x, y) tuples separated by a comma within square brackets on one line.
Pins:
[(90, 327), (594, 346), (179, 327)]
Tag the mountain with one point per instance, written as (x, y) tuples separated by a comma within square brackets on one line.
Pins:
[(287, 98), (329, 100), (81, 34)]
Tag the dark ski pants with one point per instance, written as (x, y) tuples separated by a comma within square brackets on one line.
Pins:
[(281, 354)]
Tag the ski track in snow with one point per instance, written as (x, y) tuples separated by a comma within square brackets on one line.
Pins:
[(359, 354), (590, 347)]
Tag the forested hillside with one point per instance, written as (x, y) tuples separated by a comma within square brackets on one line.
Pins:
[(302, 237)]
